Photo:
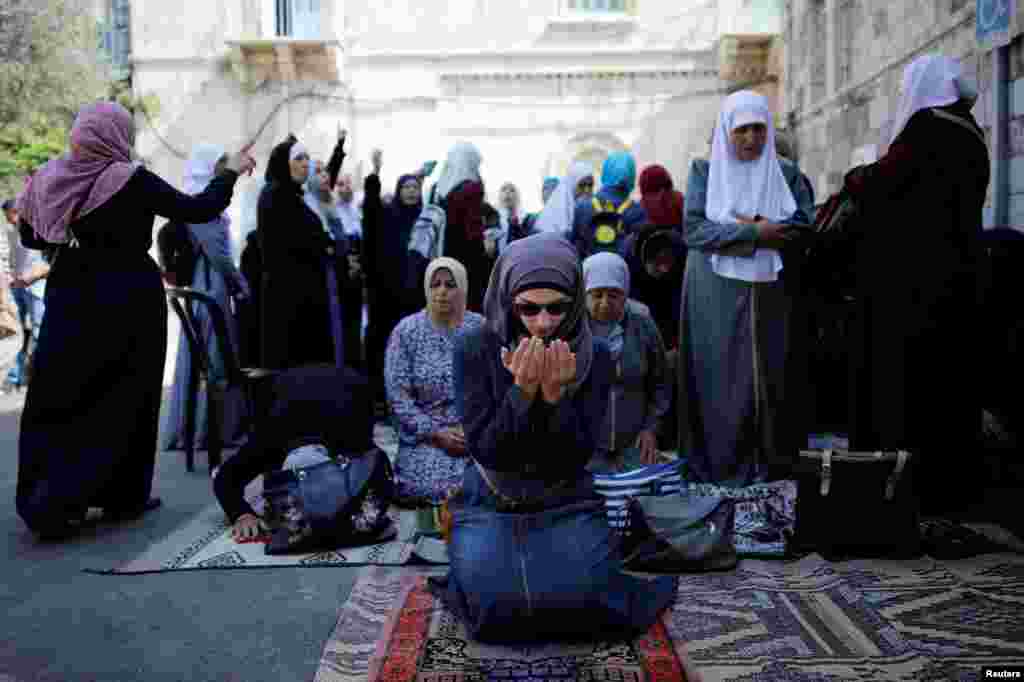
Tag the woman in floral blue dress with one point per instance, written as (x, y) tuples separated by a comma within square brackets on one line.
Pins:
[(421, 391)]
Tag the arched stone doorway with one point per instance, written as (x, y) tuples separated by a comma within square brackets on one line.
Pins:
[(592, 148)]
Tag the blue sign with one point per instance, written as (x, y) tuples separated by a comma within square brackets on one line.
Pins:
[(993, 19)]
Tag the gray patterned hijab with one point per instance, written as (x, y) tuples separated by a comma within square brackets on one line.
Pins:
[(543, 261)]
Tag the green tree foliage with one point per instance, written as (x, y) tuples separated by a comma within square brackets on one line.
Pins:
[(51, 63)]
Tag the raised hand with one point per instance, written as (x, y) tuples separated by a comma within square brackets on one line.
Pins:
[(342, 133), (241, 161), (559, 370), (526, 363), (377, 159)]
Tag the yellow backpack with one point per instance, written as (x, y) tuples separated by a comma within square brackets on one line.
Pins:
[(605, 214)]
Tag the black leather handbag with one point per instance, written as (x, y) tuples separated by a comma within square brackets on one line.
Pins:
[(343, 502), (680, 533), (857, 504)]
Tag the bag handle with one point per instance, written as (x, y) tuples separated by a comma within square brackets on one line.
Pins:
[(894, 477), (826, 472)]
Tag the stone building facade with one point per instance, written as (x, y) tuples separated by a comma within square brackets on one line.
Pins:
[(535, 84), (843, 67)]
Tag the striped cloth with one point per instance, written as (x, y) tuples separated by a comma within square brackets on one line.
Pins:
[(653, 480)]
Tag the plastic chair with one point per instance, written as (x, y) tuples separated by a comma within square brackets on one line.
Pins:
[(184, 301)]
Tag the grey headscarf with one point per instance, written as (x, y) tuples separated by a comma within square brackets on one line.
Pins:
[(607, 271), (543, 261)]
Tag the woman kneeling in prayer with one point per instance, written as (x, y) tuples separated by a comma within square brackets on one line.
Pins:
[(532, 556), (316, 412), (641, 392), (421, 389)]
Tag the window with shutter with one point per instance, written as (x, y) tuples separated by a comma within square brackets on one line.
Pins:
[(298, 19), (116, 38), (599, 6)]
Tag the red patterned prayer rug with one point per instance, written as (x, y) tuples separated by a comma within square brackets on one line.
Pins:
[(421, 641), (766, 621)]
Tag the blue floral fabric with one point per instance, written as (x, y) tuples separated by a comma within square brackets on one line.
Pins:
[(421, 392)]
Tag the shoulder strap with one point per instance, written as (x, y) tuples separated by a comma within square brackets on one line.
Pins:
[(625, 206), (945, 115)]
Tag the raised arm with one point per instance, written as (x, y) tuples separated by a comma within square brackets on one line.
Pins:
[(168, 202), (337, 158), (373, 215), (704, 234)]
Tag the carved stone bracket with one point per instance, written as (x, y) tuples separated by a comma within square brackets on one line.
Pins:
[(745, 58), (254, 62)]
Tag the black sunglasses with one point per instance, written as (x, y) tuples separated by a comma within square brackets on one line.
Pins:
[(555, 309)]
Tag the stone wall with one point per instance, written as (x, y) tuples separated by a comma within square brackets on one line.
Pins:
[(845, 60)]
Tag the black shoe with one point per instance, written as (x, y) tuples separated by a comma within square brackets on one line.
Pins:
[(66, 529), (117, 515)]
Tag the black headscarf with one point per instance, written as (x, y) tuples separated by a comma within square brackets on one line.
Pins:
[(543, 261), (279, 171), (400, 216)]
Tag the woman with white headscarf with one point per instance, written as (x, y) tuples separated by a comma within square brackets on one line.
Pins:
[(217, 276), (917, 270), (560, 209), (460, 191), (742, 207), (421, 387)]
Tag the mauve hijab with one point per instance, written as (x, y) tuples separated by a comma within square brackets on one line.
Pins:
[(74, 185), (543, 261)]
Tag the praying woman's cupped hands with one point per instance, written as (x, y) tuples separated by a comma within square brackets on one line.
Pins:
[(536, 367)]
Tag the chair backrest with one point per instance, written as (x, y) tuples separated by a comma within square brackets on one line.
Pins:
[(185, 302)]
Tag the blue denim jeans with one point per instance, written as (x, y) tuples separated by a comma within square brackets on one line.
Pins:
[(549, 575), (30, 311)]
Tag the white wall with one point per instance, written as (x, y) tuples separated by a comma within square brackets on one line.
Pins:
[(409, 87)]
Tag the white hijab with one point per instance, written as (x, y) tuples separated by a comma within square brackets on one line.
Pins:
[(199, 170), (930, 81), (739, 188), (463, 164), (559, 212)]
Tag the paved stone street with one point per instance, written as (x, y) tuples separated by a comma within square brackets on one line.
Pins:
[(256, 625), (63, 625)]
